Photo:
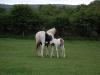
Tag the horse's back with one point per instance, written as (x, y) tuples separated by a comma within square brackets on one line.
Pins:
[(40, 36)]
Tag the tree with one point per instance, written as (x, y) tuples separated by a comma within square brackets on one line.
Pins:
[(22, 16)]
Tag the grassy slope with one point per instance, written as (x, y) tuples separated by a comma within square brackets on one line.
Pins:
[(17, 57)]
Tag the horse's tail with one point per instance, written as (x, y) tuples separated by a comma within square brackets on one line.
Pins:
[(39, 37), (37, 45), (61, 41), (37, 40)]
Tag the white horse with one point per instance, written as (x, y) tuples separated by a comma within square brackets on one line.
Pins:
[(58, 43), (42, 38)]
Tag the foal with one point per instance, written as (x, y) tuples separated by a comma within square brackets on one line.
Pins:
[(58, 43)]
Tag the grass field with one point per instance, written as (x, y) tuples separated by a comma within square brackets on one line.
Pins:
[(17, 57)]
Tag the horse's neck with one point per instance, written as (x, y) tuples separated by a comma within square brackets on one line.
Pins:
[(51, 35), (51, 32)]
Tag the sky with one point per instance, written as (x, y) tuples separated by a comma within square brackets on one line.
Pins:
[(69, 2)]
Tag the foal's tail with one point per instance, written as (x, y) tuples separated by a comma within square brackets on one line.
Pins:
[(61, 41)]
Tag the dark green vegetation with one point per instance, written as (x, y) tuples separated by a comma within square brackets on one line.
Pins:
[(73, 21), (17, 57)]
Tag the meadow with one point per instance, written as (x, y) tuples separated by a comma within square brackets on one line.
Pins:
[(18, 57)]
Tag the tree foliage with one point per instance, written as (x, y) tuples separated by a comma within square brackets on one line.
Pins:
[(24, 20)]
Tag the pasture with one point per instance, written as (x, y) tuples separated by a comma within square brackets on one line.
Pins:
[(17, 57)]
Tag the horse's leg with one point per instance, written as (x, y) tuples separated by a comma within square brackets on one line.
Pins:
[(42, 49), (42, 46), (47, 51), (43, 43), (37, 48), (63, 51), (37, 44), (39, 51)]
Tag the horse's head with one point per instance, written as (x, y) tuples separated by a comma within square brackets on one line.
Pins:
[(52, 31)]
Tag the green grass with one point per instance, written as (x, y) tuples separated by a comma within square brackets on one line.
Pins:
[(17, 57)]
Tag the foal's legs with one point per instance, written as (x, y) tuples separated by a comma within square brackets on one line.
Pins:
[(52, 50), (57, 51), (63, 51)]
